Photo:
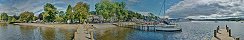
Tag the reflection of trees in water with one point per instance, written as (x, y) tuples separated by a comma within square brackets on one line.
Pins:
[(117, 33), (3, 24), (27, 32), (67, 33), (48, 33)]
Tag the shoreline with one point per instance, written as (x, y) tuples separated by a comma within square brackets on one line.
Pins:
[(80, 29), (80, 32)]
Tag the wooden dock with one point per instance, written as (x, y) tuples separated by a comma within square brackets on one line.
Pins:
[(223, 33), (155, 28), (84, 32)]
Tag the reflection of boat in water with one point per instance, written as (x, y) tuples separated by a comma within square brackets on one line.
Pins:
[(163, 27), (168, 27)]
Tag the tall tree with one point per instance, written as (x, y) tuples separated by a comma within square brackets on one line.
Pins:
[(82, 11), (11, 19), (26, 16), (4, 16), (59, 19), (105, 8), (69, 14), (49, 12)]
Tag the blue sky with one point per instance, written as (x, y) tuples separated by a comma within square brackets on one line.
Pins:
[(174, 8), (14, 7)]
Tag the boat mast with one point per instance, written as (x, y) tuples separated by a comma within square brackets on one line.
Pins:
[(164, 9)]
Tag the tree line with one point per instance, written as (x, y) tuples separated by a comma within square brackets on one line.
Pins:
[(109, 11)]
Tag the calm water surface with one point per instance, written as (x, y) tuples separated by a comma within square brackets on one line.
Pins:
[(196, 30), (16, 32)]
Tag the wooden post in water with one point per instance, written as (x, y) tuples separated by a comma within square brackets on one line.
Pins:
[(237, 38), (217, 29), (229, 32), (226, 27), (215, 33), (154, 28), (148, 28)]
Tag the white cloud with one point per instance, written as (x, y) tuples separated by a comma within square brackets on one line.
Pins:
[(189, 8), (15, 7)]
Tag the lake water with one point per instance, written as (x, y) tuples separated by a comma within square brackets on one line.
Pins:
[(196, 30), (16, 32)]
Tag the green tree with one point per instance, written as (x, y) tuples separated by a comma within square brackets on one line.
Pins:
[(121, 13), (26, 16), (4, 16), (58, 19), (34, 18), (11, 19), (81, 11), (69, 14), (106, 9), (49, 12)]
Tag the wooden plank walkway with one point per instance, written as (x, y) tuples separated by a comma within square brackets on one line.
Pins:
[(84, 32), (223, 33)]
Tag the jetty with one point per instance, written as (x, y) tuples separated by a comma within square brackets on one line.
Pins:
[(157, 28), (150, 27), (223, 33), (84, 32)]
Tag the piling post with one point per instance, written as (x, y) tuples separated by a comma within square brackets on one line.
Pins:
[(154, 28), (215, 33), (229, 32), (147, 28), (226, 27), (237, 38), (217, 29)]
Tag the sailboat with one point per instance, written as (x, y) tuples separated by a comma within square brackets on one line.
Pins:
[(166, 24)]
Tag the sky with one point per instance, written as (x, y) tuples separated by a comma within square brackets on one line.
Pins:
[(15, 7), (173, 8), (207, 9)]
